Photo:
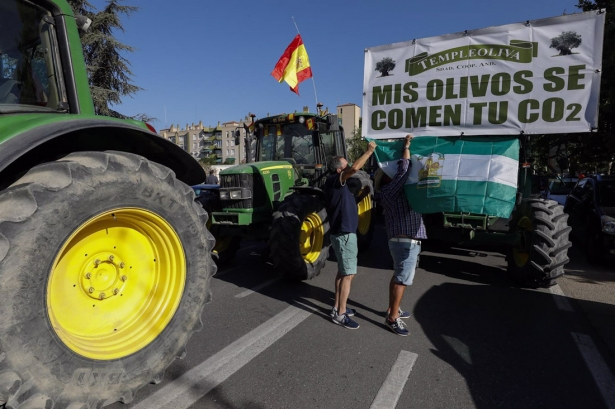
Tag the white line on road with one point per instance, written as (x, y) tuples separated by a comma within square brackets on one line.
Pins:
[(560, 298), (258, 287), (601, 373), (393, 385), (197, 382)]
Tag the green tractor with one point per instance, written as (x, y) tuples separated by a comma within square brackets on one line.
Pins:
[(277, 196), (105, 259), (535, 237)]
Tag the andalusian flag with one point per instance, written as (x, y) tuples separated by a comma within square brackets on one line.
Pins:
[(472, 174), (294, 65)]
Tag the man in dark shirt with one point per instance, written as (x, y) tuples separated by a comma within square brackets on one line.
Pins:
[(212, 179), (344, 221), (405, 230)]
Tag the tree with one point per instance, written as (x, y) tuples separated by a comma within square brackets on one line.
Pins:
[(229, 161), (356, 145), (565, 42), (108, 70), (385, 66)]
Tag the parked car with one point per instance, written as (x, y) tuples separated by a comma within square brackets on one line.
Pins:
[(558, 189), (591, 209)]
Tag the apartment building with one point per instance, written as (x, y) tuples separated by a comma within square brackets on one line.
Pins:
[(219, 142), (349, 117)]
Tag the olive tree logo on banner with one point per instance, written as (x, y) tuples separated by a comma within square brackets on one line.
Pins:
[(565, 42)]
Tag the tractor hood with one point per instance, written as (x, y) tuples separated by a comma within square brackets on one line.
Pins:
[(257, 167)]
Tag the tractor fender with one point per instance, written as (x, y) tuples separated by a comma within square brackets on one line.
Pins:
[(309, 190), (49, 141)]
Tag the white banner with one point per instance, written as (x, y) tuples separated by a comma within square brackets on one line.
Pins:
[(537, 77)]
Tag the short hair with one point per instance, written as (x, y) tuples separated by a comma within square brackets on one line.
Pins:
[(211, 171), (335, 163)]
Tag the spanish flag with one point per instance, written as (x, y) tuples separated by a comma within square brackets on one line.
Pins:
[(294, 65)]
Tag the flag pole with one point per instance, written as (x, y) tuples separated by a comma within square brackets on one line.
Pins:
[(313, 82)]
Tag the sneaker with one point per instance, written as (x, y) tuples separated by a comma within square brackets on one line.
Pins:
[(349, 311), (402, 314), (345, 322), (397, 327)]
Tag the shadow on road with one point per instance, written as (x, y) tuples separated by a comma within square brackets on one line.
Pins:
[(514, 348)]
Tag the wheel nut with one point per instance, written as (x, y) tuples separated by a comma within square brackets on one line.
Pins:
[(88, 275), (102, 296), (116, 290), (111, 258), (91, 290), (122, 264), (96, 262), (124, 278)]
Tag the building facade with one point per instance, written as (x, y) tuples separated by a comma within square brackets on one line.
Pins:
[(218, 143), (349, 117)]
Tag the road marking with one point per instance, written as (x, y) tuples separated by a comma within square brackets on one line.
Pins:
[(601, 373), (196, 383), (560, 298), (258, 287), (393, 385)]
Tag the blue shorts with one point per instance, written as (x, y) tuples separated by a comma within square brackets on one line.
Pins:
[(346, 251), (405, 255)]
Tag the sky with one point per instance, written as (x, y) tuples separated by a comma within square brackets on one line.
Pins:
[(211, 60)]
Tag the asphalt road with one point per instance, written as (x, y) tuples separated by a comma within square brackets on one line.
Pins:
[(477, 340)]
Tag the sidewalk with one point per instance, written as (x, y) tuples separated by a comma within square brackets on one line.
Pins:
[(593, 288)]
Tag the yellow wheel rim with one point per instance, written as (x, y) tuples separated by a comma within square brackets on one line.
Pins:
[(116, 283), (521, 254), (365, 215), (311, 238)]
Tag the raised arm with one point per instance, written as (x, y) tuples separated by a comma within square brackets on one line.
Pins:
[(358, 164)]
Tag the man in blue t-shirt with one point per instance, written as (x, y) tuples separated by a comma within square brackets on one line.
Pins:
[(344, 221)]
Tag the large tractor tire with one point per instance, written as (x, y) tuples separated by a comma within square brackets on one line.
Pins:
[(542, 253), (105, 267), (365, 204), (226, 246), (299, 237)]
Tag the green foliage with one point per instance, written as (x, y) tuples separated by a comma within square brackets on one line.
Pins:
[(356, 145), (594, 151), (385, 66), (565, 42), (108, 70), (229, 161)]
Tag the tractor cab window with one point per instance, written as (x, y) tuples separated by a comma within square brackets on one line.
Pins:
[(293, 143), (328, 141), (27, 58)]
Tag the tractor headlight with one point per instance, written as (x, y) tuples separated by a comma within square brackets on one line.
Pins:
[(235, 194), (608, 225), (225, 195)]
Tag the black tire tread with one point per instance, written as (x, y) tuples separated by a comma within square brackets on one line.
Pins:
[(20, 201), (548, 250), (284, 237)]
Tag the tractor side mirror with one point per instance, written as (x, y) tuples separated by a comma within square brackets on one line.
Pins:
[(237, 136), (315, 139)]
